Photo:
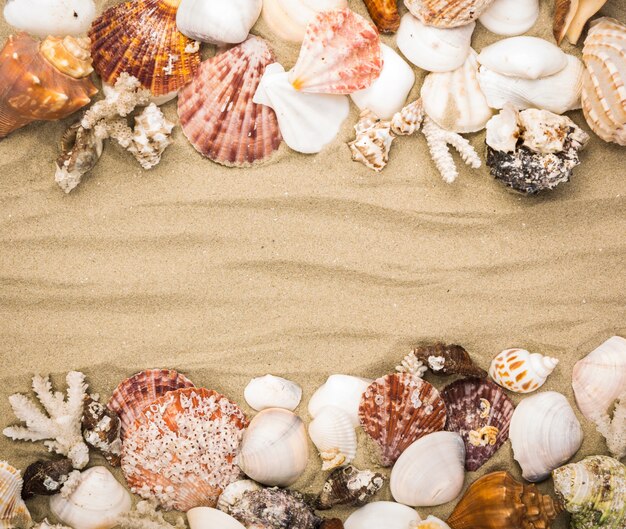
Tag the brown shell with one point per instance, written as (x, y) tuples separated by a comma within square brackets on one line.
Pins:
[(141, 38), (69, 55), (349, 486), (45, 478), (497, 501), (216, 110), (332, 523), (396, 410), (453, 360), (570, 17), (447, 13), (101, 429), (32, 88), (384, 14)]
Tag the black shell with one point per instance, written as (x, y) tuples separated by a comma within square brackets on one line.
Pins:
[(456, 360), (101, 430), (45, 478)]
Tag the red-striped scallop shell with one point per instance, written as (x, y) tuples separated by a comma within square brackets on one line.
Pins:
[(481, 413), (396, 410), (131, 397), (181, 451), (216, 110)]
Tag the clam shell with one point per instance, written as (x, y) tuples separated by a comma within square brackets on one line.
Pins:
[(430, 472), (343, 391), (481, 413), (510, 17), (448, 359), (385, 514), (43, 18), (384, 13), (208, 518), (96, 503), (45, 478), (275, 449), (13, 511), (217, 112), (181, 451), (272, 392), (349, 486), (520, 371), (545, 433), (234, 492), (397, 410), (332, 432), (447, 13)]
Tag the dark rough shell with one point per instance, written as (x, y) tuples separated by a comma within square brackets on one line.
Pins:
[(45, 478), (102, 429), (332, 523), (443, 359), (349, 486)]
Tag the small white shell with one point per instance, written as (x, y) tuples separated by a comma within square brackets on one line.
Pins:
[(208, 518), (510, 17), (13, 511), (503, 130), (275, 449), (431, 471), (332, 432), (272, 392), (96, 503), (234, 492), (430, 523), (343, 391), (379, 514), (520, 371), (43, 18), (431, 48)]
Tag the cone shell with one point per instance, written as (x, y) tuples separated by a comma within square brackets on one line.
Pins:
[(384, 13), (334, 436), (443, 359), (140, 38), (13, 511), (520, 371), (481, 413), (181, 451), (217, 113), (131, 397), (497, 501), (604, 90), (42, 81), (341, 54), (349, 486), (397, 410), (447, 13)]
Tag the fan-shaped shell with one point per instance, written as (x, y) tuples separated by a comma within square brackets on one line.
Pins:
[(13, 511), (520, 371), (510, 17), (181, 451), (42, 18), (333, 434), (384, 13), (447, 13), (140, 38), (343, 391), (387, 514), (131, 396), (349, 486), (396, 410), (481, 413), (209, 518)]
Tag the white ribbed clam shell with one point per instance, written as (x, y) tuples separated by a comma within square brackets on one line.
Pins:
[(234, 492), (13, 511), (379, 514), (520, 371), (510, 17), (332, 432), (208, 518), (50, 17), (343, 391), (272, 392)]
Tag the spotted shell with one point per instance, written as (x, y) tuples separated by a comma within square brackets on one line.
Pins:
[(13, 511), (447, 13), (349, 486), (520, 371)]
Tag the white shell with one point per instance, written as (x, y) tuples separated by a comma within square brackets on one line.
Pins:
[(545, 433), (510, 17), (332, 432), (454, 100), (308, 122), (387, 94), (272, 392), (50, 17), (216, 22), (557, 93), (600, 378), (96, 503), (275, 449), (520, 371), (234, 492), (524, 57), (430, 523), (503, 130), (208, 518), (381, 514), (431, 48), (430, 472), (343, 391)]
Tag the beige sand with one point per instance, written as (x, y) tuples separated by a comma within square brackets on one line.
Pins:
[(308, 266)]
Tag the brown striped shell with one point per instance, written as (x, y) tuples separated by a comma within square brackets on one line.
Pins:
[(384, 14), (447, 13), (397, 410), (216, 110)]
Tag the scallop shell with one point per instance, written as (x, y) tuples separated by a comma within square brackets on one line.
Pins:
[(454, 100), (131, 396), (510, 17), (275, 449), (349, 486), (545, 433), (209, 518), (600, 378), (272, 392), (42, 81), (481, 413), (333, 434), (570, 17), (13, 511), (96, 503), (182, 449), (217, 112), (520, 371), (45, 478), (447, 13), (42, 18), (387, 514), (341, 54), (445, 359), (397, 410), (234, 492), (604, 92), (430, 472), (343, 391), (384, 13), (140, 38)]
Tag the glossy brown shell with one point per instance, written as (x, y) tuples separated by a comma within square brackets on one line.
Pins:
[(453, 360), (384, 14)]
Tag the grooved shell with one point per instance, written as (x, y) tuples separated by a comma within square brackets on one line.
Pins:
[(13, 511), (343, 391), (387, 514), (447, 13), (349, 486), (520, 371), (333, 434), (384, 13), (510, 17)]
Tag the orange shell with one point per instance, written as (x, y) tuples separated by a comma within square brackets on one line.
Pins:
[(140, 38), (68, 55), (384, 13)]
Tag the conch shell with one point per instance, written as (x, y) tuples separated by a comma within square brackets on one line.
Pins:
[(13, 511), (570, 17), (520, 371)]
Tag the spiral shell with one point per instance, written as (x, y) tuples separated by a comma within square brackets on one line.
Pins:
[(349, 486), (13, 511), (520, 371)]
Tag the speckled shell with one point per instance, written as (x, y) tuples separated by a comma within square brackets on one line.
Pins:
[(141, 38), (520, 371), (444, 359), (42, 81), (398, 409), (44, 478), (384, 13), (101, 429), (217, 113), (13, 511), (349, 486), (181, 451), (447, 13)]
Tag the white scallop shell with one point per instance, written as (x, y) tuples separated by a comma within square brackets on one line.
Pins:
[(454, 99), (600, 378), (274, 450), (13, 511), (96, 503), (520, 371), (430, 472), (379, 514), (332, 432), (545, 433), (343, 391), (50, 17), (272, 392), (510, 17), (234, 492), (431, 48), (208, 518)]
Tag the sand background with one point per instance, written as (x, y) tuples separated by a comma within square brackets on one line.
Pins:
[(306, 266)]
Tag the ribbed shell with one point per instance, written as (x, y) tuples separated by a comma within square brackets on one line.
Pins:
[(472, 406), (398, 409), (141, 38), (216, 110), (447, 13), (384, 13), (604, 93), (520, 371), (13, 511)]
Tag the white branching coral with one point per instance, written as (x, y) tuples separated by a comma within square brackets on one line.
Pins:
[(146, 516), (412, 365), (60, 429), (614, 430)]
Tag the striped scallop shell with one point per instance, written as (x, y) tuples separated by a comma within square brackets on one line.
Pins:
[(181, 451), (398, 409), (131, 397), (334, 436), (13, 511), (216, 110), (520, 371), (447, 13), (141, 38)]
